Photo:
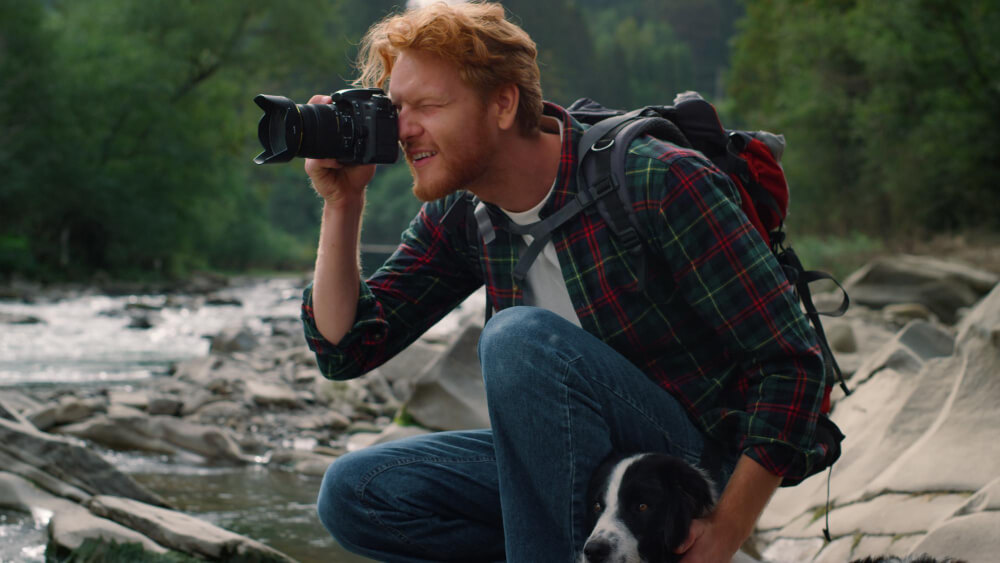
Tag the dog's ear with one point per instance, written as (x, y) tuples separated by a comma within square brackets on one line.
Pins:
[(676, 532), (694, 497), (697, 490)]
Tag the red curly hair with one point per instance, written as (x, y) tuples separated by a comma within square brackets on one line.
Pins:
[(488, 50)]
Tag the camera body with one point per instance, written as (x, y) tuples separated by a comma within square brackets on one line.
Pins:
[(360, 126)]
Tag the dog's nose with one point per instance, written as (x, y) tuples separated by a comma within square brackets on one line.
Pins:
[(597, 550)]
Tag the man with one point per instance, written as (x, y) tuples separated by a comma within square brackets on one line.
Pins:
[(709, 359)]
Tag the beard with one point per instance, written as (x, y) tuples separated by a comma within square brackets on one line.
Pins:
[(461, 166)]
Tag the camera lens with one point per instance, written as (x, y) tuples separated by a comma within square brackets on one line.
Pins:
[(288, 130), (326, 132)]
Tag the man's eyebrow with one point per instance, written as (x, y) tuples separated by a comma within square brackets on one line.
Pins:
[(422, 100)]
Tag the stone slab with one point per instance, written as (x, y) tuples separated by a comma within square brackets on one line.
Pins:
[(184, 533), (975, 537), (960, 451), (787, 550), (889, 515)]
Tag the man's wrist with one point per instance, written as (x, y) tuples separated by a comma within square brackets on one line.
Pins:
[(743, 500)]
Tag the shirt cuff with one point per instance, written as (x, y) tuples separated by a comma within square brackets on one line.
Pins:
[(345, 359)]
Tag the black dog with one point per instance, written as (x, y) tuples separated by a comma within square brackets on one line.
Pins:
[(642, 507)]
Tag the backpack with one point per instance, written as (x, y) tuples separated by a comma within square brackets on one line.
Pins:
[(751, 159)]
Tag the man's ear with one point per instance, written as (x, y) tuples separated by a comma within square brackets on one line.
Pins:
[(505, 100)]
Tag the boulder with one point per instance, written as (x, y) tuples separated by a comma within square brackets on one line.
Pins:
[(966, 538), (184, 533), (40, 478), (908, 350), (122, 428), (69, 462), (841, 338), (68, 529), (66, 410), (196, 370), (136, 399), (19, 319), (210, 442), (397, 431), (402, 370), (165, 404), (303, 462), (903, 313), (13, 404), (943, 287), (919, 466), (234, 339), (69, 524), (217, 411), (449, 394), (270, 395), (141, 321), (129, 429)]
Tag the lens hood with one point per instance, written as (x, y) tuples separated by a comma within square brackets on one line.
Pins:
[(280, 129)]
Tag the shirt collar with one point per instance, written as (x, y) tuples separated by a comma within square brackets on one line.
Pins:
[(565, 187)]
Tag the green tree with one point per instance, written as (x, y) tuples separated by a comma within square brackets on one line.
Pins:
[(142, 128), (883, 104)]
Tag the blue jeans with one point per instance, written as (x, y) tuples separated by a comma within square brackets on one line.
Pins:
[(560, 400)]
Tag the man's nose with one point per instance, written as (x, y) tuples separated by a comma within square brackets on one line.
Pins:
[(408, 127)]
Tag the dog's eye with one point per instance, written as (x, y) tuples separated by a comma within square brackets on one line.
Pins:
[(643, 507), (597, 508)]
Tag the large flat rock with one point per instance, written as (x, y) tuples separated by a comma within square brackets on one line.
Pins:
[(920, 471), (69, 524), (69, 461), (897, 396), (184, 533)]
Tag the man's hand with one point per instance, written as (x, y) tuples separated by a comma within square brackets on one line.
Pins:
[(709, 542), (337, 183), (718, 537)]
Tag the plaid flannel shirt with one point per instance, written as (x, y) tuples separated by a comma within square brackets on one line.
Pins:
[(717, 325)]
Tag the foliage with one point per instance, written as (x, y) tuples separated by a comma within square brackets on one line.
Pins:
[(128, 127), (390, 204), (133, 155), (838, 255), (883, 104)]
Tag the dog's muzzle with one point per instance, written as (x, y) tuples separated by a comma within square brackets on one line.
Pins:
[(596, 550)]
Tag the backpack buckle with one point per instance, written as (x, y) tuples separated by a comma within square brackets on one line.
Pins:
[(597, 191), (631, 240)]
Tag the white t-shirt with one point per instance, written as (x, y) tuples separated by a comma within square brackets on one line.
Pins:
[(544, 277)]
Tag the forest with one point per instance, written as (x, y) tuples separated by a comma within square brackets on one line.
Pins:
[(127, 128)]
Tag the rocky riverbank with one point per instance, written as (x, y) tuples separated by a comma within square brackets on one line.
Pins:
[(919, 471)]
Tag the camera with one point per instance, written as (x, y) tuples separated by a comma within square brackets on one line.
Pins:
[(359, 126)]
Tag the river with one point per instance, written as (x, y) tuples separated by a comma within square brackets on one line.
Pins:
[(85, 340)]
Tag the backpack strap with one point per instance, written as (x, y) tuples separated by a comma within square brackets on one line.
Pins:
[(608, 173), (800, 278), (602, 155)]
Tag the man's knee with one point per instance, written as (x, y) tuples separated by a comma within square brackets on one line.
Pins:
[(339, 504), (515, 346), (512, 329)]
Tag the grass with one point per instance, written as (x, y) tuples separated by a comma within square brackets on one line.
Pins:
[(839, 256)]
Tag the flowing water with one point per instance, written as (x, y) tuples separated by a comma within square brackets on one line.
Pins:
[(86, 341)]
